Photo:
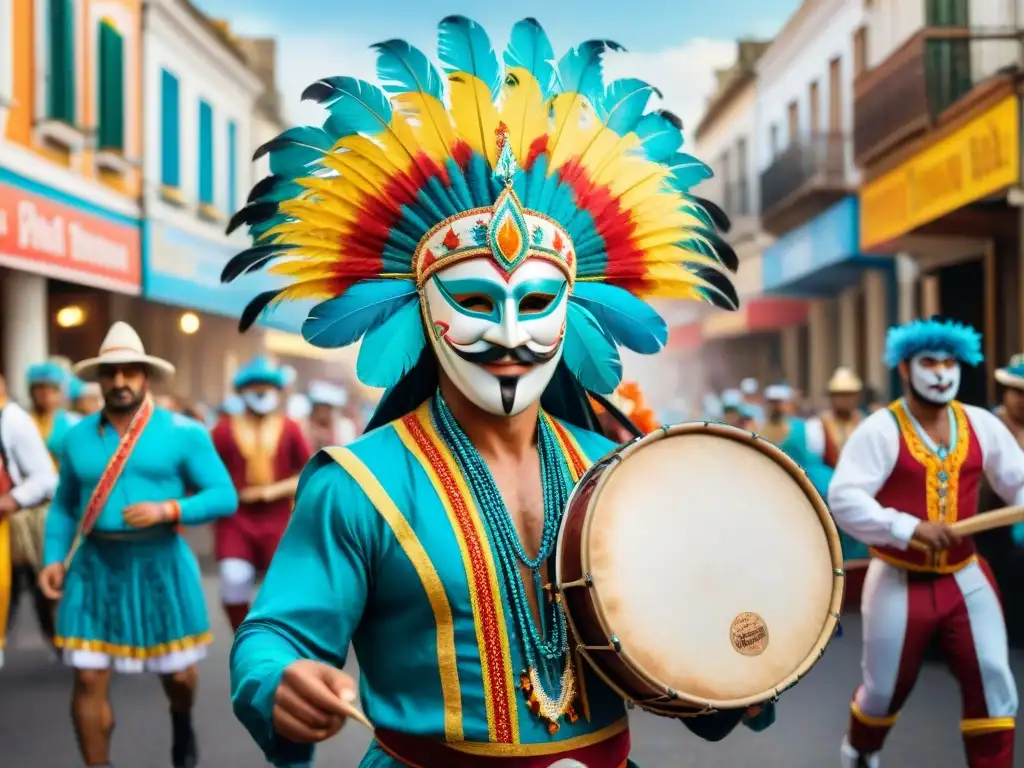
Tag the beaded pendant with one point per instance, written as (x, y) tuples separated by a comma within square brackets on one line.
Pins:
[(542, 705)]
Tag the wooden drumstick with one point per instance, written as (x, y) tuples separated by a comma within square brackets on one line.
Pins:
[(356, 714), (987, 521)]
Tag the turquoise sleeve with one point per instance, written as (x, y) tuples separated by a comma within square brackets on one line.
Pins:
[(62, 517), (310, 603), (215, 494)]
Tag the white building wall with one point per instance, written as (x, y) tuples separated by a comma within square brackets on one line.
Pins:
[(176, 41), (816, 34), (738, 121), (6, 61)]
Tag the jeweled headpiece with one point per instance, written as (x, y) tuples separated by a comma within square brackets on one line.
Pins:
[(960, 341), (533, 159)]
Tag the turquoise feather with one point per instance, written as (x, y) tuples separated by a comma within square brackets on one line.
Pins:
[(403, 68), (660, 135), (355, 106), (364, 306), (463, 46), (580, 70), (294, 150), (630, 321), (687, 171), (624, 103), (529, 48), (589, 352), (391, 349)]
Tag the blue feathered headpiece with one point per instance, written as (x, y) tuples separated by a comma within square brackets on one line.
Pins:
[(47, 373), (261, 370), (935, 334)]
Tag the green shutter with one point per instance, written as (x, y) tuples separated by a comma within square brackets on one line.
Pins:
[(111, 89), (61, 93), (947, 13), (170, 130), (205, 153)]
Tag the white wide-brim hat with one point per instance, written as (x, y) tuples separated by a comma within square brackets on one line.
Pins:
[(845, 382), (122, 346)]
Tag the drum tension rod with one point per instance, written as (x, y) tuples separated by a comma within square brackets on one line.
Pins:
[(613, 645), (587, 581)]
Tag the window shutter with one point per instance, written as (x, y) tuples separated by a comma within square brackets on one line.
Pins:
[(61, 96), (170, 127), (205, 153), (111, 89), (232, 167)]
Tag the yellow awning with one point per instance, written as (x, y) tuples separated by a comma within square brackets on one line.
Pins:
[(281, 344)]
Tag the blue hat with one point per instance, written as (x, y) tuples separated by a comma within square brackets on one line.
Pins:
[(933, 335), (261, 370), (1013, 374), (47, 373)]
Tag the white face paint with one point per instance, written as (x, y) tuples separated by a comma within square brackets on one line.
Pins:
[(499, 342), (935, 376), (263, 402)]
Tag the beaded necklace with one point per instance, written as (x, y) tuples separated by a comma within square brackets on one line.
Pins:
[(546, 647)]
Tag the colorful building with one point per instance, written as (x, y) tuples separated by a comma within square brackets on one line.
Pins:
[(70, 172)]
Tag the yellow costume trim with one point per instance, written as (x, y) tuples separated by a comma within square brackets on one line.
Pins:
[(543, 748), (132, 651), (916, 568), (981, 726), (257, 441), (5, 577), (872, 722), (447, 663)]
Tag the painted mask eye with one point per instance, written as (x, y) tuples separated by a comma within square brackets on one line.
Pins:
[(475, 302), (535, 303)]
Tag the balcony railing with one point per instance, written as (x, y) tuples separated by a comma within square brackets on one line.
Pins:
[(906, 94), (803, 180)]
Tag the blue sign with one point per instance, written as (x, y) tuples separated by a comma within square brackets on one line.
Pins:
[(184, 270), (820, 257)]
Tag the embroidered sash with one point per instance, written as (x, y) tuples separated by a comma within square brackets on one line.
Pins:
[(258, 443), (111, 474)]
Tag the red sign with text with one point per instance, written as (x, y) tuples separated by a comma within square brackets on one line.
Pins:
[(56, 240)]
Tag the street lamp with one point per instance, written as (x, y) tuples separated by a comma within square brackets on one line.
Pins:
[(189, 323), (71, 316)]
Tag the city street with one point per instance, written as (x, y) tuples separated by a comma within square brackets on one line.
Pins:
[(35, 731)]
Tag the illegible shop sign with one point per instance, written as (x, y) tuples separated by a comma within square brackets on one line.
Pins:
[(978, 160), (57, 239)]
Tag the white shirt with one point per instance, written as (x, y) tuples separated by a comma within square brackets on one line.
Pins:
[(28, 461), (869, 456)]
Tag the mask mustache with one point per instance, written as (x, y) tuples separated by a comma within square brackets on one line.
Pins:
[(495, 353)]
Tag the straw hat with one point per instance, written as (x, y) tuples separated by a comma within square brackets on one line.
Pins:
[(1013, 374), (844, 382), (122, 346)]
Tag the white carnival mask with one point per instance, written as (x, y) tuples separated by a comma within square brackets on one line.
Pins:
[(498, 336), (935, 376)]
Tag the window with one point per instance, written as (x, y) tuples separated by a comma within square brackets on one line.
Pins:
[(170, 131), (793, 118), (742, 193), (205, 153), (774, 141), (60, 41), (946, 13), (835, 103), (814, 98), (111, 89), (860, 51), (232, 167), (725, 172)]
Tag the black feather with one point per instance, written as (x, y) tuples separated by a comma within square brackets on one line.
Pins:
[(252, 259), (724, 251), (252, 214), (722, 293), (318, 91), (672, 117), (264, 186), (255, 308), (718, 216)]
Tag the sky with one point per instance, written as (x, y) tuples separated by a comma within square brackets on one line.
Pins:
[(673, 44)]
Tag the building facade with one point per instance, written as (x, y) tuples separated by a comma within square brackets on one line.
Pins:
[(937, 134), (71, 146), (808, 190)]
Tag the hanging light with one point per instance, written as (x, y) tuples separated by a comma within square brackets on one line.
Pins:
[(71, 316), (189, 323)]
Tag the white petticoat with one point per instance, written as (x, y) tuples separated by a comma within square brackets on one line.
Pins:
[(167, 664)]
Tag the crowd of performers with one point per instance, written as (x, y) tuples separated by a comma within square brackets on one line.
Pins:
[(510, 251)]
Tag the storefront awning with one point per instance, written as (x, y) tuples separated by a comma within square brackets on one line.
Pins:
[(282, 344), (756, 316)]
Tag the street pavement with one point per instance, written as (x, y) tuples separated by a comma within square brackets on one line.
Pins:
[(35, 730)]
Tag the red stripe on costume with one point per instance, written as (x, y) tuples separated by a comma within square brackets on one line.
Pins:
[(493, 662), (579, 464)]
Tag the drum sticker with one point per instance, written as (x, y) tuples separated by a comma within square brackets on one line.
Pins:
[(749, 634)]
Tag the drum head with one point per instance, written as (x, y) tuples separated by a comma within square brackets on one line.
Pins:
[(713, 565)]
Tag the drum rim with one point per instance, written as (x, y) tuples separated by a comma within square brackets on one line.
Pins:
[(608, 464)]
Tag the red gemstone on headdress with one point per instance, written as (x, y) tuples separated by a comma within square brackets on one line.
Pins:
[(501, 132), (428, 258), (558, 242), (451, 240)]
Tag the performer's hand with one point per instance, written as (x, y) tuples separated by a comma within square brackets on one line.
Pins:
[(51, 581), (146, 513), (312, 701), (936, 536), (8, 506)]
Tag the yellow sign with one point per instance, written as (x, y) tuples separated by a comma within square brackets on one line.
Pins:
[(979, 159)]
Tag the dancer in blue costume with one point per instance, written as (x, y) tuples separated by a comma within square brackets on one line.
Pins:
[(490, 258), (128, 584), (790, 434)]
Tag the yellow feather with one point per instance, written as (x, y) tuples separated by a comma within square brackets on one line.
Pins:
[(311, 214), (473, 113), (323, 288), (337, 188), (523, 111), (433, 129), (669, 254), (574, 126)]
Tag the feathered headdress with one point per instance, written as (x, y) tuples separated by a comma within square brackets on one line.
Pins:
[(531, 158), (933, 335)]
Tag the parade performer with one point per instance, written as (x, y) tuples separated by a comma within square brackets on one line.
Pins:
[(130, 595), (327, 426), (905, 474), (85, 397), (735, 412), (27, 479), (46, 383), (490, 255), (264, 451)]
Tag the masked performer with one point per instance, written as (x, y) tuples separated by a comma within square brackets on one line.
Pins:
[(129, 588), (326, 425), (264, 451), (905, 474), (490, 258)]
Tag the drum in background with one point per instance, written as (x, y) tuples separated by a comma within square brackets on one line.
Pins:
[(28, 529), (699, 570)]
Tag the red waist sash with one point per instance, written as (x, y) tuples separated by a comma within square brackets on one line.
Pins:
[(419, 752)]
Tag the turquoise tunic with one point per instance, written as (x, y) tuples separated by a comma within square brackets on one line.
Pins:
[(63, 421), (392, 556), (135, 592)]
